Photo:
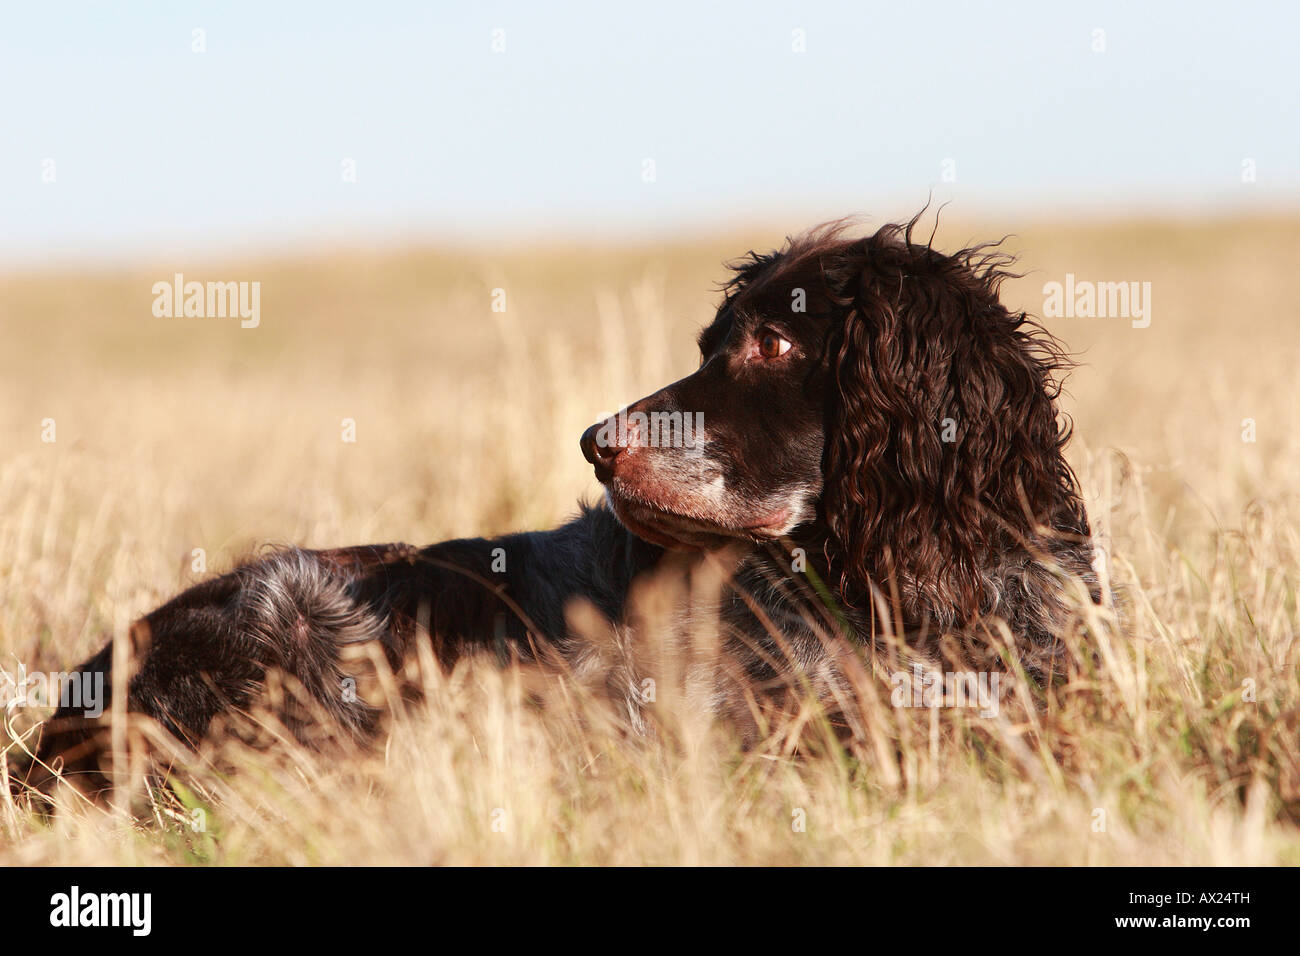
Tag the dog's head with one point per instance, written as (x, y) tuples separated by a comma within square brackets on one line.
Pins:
[(873, 387), (735, 449)]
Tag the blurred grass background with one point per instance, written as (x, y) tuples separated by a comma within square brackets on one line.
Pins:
[(177, 434)]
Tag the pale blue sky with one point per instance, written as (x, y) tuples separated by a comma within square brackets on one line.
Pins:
[(156, 147)]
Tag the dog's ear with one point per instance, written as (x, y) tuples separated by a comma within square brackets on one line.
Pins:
[(943, 448)]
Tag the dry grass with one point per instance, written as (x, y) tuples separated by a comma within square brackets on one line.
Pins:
[(177, 434)]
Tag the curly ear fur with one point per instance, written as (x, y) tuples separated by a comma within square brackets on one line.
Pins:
[(951, 529)]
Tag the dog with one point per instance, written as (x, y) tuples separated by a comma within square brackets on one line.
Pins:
[(871, 445)]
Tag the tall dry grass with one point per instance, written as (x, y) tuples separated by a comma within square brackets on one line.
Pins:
[(179, 434)]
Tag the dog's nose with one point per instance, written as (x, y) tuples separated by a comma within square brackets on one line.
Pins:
[(600, 451)]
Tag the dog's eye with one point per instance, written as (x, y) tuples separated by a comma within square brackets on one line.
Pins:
[(771, 345)]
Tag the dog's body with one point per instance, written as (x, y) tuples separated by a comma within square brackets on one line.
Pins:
[(878, 450)]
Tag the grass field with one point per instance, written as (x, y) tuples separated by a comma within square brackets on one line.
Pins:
[(174, 434)]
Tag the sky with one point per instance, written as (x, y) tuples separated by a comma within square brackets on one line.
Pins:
[(124, 132)]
